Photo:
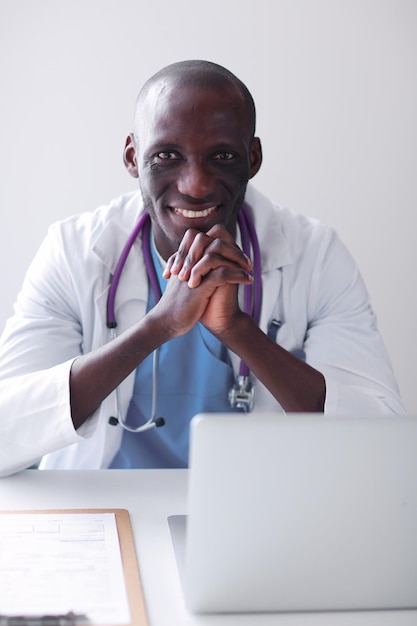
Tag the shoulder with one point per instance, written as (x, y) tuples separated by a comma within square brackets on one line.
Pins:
[(89, 242), (120, 213), (95, 237), (285, 236), (266, 211)]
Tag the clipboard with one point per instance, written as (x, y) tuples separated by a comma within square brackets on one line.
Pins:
[(131, 573)]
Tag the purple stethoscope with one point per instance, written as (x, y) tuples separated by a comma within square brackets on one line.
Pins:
[(241, 395)]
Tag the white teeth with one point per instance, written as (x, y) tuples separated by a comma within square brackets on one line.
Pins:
[(194, 214)]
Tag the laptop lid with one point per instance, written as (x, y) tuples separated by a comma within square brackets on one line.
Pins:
[(303, 512)]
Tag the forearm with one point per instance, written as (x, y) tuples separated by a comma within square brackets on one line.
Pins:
[(96, 374), (295, 385)]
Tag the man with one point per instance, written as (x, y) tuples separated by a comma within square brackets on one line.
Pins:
[(316, 347)]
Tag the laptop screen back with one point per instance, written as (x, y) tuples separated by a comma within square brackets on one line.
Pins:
[(303, 512)]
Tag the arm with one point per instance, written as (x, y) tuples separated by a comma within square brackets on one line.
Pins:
[(96, 374), (342, 339), (327, 314), (295, 385), (54, 368)]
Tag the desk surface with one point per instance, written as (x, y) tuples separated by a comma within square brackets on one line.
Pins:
[(150, 496)]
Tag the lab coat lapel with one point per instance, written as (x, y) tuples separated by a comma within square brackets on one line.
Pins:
[(132, 290), (131, 294), (275, 252)]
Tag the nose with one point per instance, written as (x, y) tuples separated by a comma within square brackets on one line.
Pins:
[(196, 181)]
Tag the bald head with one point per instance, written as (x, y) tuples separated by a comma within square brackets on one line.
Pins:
[(203, 75)]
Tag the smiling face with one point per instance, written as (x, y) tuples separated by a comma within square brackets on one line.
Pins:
[(193, 151)]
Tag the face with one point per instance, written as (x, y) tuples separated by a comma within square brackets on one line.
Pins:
[(193, 152)]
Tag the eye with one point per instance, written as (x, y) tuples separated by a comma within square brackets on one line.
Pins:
[(167, 156), (164, 159), (224, 156)]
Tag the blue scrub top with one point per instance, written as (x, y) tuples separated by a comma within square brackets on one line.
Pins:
[(194, 376)]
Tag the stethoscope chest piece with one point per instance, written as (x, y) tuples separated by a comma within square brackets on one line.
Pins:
[(241, 395)]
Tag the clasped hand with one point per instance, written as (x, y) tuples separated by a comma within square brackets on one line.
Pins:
[(204, 275)]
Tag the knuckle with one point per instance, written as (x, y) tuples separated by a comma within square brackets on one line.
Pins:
[(200, 238), (217, 246)]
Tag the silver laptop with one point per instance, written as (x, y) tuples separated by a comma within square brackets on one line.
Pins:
[(299, 513)]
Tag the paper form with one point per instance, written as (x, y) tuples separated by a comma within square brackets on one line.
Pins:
[(54, 563)]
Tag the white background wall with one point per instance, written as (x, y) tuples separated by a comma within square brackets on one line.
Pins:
[(335, 86)]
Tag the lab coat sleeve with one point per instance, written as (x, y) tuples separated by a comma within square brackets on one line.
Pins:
[(37, 349), (35, 417), (343, 341)]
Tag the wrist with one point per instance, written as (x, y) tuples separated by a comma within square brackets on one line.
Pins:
[(239, 327)]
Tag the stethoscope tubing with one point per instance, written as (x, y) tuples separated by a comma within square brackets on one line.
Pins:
[(143, 225), (252, 300), (252, 293), (152, 421)]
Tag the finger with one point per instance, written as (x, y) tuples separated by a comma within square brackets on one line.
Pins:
[(218, 231), (196, 244), (217, 268), (167, 271), (205, 259), (183, 249)]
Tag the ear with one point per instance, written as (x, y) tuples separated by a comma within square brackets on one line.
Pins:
[(129, 156), (255, 157)]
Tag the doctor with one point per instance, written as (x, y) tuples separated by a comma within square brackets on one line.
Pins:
[(315, 347)]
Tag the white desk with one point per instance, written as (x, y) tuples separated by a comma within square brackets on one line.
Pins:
[(150, 496)]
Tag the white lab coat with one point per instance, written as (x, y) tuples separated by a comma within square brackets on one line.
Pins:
[(310, 283)]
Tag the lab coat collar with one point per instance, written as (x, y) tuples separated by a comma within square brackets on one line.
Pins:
[(132, 291), (275, 251), (117, 224)]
